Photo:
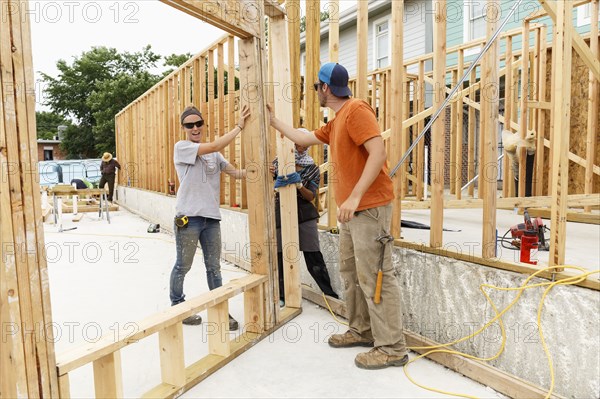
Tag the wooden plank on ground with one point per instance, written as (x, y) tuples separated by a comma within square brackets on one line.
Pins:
[(87, 353), (481, 372), (337, 305)]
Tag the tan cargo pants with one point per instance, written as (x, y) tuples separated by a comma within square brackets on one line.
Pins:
[(360, 255)]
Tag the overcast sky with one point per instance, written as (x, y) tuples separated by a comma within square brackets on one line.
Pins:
[(64, 29)]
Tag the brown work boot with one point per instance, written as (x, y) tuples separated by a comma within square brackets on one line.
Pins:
[(377, 359), (233, 324), (348, 339), (193, 320)]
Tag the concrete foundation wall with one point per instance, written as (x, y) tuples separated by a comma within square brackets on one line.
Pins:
[(442, 301), (160, 208)]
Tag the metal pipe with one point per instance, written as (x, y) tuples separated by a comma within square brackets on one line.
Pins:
[(477, 176)]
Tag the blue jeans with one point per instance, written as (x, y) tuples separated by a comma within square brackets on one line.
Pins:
[(208, 231)]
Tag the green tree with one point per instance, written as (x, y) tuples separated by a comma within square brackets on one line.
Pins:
[(175, 61), (76, 142), (324, 17), (47, 124), (92, 89)]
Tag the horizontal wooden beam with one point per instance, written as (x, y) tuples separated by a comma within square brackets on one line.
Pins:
[(273, 9), (539, 104), (574, 200), (572, 216), (239, 18), (337, 306), (496, 379), (90, 352), (469, 45)]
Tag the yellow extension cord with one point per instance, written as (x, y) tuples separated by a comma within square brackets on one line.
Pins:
[(565, 281)]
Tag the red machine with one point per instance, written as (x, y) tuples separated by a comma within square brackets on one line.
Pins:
[(529, 236)]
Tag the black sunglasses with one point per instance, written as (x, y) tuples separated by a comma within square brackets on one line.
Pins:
[(191, 125), (318, 85)]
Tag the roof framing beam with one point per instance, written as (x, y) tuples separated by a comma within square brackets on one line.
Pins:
[(237, 17)]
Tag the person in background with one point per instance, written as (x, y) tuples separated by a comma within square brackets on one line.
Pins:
[(308, 232), (363, 192), (81, 184), (108, 169), (199, 165)]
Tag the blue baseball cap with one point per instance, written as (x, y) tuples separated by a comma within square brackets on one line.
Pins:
[(336, 77)]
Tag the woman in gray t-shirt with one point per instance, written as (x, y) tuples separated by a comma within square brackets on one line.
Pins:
[(199, 166)]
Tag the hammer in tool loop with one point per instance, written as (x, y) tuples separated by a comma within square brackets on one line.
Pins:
[(384, 239)]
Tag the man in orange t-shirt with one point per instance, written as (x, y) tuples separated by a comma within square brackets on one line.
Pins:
[(363, 192)]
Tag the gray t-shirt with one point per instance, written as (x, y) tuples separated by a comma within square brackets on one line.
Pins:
[(200, 177)]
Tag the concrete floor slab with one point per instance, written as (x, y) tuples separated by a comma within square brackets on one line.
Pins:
[(107, 275)]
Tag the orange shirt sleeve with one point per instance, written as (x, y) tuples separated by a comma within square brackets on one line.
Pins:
[(323, 133), (362, 123)]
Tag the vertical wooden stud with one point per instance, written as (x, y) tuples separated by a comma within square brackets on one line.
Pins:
[(562, 63), (438, 128), (172, 361)]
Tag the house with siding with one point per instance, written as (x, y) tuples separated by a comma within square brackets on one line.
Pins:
[(466, 22), (418, 39)]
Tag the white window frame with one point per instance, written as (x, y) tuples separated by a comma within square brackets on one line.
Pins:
[(303, 63), (375, 48), (584, 15), (467, 27)]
